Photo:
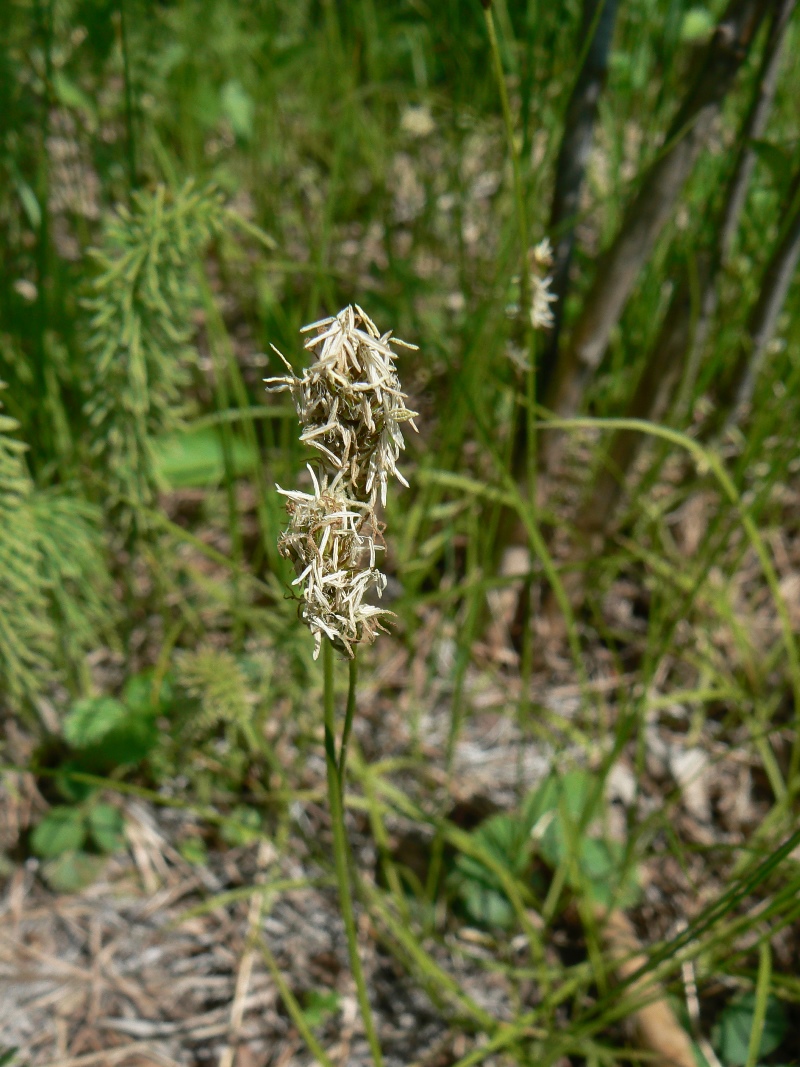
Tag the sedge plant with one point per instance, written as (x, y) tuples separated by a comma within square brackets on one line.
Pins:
[(351, 408)]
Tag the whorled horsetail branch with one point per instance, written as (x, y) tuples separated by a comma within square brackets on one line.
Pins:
[(350, 406)]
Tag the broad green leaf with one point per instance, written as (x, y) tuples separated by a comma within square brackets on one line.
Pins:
[(572, 794), (486, 906), (196, 459), (558, 807), (91, 719), (540, 801), (61, 830), (137, 693), (129, 742), (601, 867), (732, 1034), (506, 839), (106, 826), (72, 871)]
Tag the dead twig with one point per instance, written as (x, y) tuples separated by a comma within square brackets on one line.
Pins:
[(657, 1028)]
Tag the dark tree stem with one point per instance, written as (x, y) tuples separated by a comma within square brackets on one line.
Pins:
[(597, 31), (652, 206), (736, 193), (766, 84), (681, 340)]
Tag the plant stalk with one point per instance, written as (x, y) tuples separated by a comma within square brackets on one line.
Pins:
[(335, 797), (348, 720), (524, 241)]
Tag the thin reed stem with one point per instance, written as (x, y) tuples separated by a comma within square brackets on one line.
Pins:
[(335, 793), (291, 1004)]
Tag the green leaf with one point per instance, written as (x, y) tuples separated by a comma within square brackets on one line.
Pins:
[(137, 694), (318, 1006), (196, 460), (568, 803), (540, 802), (61, 830), (601, 865), (243, 828), (194, 851), (126, 744), (72, 789), (106, 825), (239, 109), (29, 203), (72, 871), (506, 839), (486, 906), (72, 96), (7, 1055), (697, 25), (558, 807), (91, 719), (732, 1035)]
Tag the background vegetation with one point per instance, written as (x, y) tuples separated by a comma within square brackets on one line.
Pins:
[(603, 523)]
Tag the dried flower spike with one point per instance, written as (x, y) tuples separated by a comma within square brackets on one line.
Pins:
[(541, 258), (350, 407), (335, 563), (349, 400)]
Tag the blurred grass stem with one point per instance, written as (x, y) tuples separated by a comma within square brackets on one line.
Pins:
[(525, 270)]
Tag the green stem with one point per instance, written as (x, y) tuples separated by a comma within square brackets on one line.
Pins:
[(292, 1006), (335, 794), (525, 270), (348, 720)]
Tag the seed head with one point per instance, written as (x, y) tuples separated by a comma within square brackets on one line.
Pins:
[(349, 400), (334, 559), (541, 297), (350, 406)]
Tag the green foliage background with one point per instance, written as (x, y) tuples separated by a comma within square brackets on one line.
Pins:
[(184, 184)]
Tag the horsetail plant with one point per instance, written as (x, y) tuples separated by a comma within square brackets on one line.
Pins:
[(351, 407)]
